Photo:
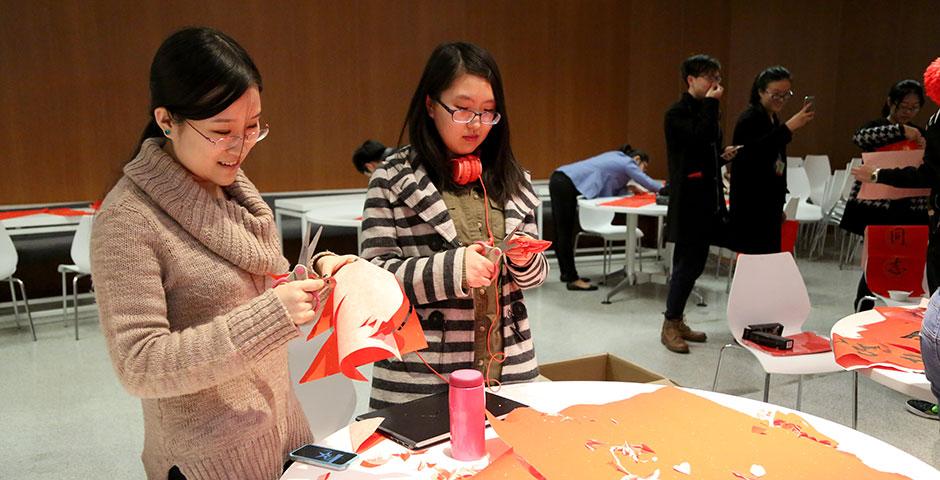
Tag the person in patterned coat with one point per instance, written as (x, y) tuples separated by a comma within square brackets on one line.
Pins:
[(426, 225)]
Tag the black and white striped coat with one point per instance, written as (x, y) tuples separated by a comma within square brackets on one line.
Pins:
[(407, 230)]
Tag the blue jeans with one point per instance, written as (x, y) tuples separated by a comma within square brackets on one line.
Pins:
[(930, 343)]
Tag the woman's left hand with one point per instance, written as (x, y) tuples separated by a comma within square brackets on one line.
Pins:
[(330, 264), (519, 257), (863, 173), (730, 152)]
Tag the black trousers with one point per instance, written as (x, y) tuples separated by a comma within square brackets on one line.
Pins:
[(564, 196), (688, 263)]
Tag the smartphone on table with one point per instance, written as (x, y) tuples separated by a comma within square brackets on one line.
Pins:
[(811, 101), (323, 457)]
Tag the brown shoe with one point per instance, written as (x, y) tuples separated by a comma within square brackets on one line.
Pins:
[(672, 338), (690, 335)]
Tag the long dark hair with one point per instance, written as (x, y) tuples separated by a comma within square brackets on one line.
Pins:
[(196, 73), (501, 174), (631, 152), (899, 91), (768, 76)]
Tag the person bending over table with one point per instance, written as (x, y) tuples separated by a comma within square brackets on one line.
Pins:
[(181, 253), (604, 175), (759, 172), (429, 207)]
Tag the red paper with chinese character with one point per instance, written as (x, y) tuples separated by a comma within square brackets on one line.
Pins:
[(892, 343), (371, 319)]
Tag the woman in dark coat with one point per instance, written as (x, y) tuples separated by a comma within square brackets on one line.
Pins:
[(759, 173)]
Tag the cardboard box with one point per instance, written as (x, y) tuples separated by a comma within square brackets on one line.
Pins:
[(604, 367)]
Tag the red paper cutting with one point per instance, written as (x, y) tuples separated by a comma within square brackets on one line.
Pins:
[(371, 319), (528, 245), (633, 201), (669, 431), (804, 343), (892, 343)]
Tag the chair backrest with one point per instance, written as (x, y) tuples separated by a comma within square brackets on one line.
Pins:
[(81, 244), (793, 204), (794, 162), (894, 257), (329, 402), (8, 255), (818, 171), (849, 179), (798, 182), (767, 289), (592, 217)]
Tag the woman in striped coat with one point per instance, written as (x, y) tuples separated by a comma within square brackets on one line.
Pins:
[(421, 222)]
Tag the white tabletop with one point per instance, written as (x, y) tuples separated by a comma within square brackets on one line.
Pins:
[(305, 204), (550, 397), (42, 223), (911, 384)]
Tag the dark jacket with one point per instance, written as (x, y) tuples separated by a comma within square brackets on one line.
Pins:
[(693, 138), (926, 175), (758, 186)]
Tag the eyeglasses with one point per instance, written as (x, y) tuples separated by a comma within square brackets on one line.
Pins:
[(462, 115), (907, 108), (232, 141), (711, 78), (781, 97)]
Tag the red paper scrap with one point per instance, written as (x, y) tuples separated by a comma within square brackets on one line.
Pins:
[(633, 201), (804, 343)]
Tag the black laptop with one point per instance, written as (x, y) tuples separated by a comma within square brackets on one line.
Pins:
[(426, 421)]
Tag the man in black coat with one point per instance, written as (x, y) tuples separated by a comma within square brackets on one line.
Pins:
[(696, 200)]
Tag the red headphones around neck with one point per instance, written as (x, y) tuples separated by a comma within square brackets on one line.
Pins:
[(466, 169)]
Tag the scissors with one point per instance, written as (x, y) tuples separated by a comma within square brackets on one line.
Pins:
[(307, 249), (495, 251)]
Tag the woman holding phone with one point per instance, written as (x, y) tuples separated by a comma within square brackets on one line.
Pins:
[(181, 254), (759, 172), (429, 209)]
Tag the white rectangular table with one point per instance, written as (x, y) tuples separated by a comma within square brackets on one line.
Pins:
[(39, 223), (633, 213)]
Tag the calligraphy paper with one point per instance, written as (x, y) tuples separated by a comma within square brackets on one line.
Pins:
[(371, 320), (672, 434), (893, 343), (891, 159), (633, 201)]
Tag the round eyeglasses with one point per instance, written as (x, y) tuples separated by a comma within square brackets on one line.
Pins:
[(232, 141), (462, 115), (781, 97)]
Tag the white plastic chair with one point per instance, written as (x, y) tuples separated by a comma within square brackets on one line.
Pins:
[(818, 172), (598, 222), (770, 289), (81, 256), (794, 162), (329, 402), (8, 260), (832, 207)]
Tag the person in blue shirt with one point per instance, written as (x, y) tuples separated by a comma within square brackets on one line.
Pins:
[(604, 175)]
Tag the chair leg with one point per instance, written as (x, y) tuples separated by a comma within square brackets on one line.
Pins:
[(718, 367), (29, 316), (799, 391), (65, 308), (604, 260), (855, 400), (16, 306), (766, 387), (75, 301)]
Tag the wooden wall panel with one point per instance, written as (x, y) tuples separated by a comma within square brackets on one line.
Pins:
[(580, 76)]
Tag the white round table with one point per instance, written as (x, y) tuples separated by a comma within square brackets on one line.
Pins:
[(551, 397), (632, 213)]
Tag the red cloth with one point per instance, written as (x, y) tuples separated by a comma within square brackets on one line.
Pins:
[(804, 343), (633, 201)]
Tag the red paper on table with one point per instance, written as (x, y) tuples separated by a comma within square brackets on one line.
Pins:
[(62, 212), (371, 319), (670, 433), (804, 343), (633, 201), (893, 343), (891, 159)]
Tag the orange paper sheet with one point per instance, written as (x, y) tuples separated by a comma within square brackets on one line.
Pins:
[(891, 159), (672, 434), (632, 201), (371, 319), (893, 343)]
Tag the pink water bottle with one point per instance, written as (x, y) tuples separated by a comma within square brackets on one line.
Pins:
[(467, 417)]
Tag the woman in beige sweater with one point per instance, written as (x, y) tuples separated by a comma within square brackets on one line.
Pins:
[(181, 253)]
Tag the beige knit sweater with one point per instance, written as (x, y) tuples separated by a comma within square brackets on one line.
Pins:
[(191, 327)]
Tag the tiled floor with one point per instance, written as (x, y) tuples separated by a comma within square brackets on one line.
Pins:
[(63, 413)]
